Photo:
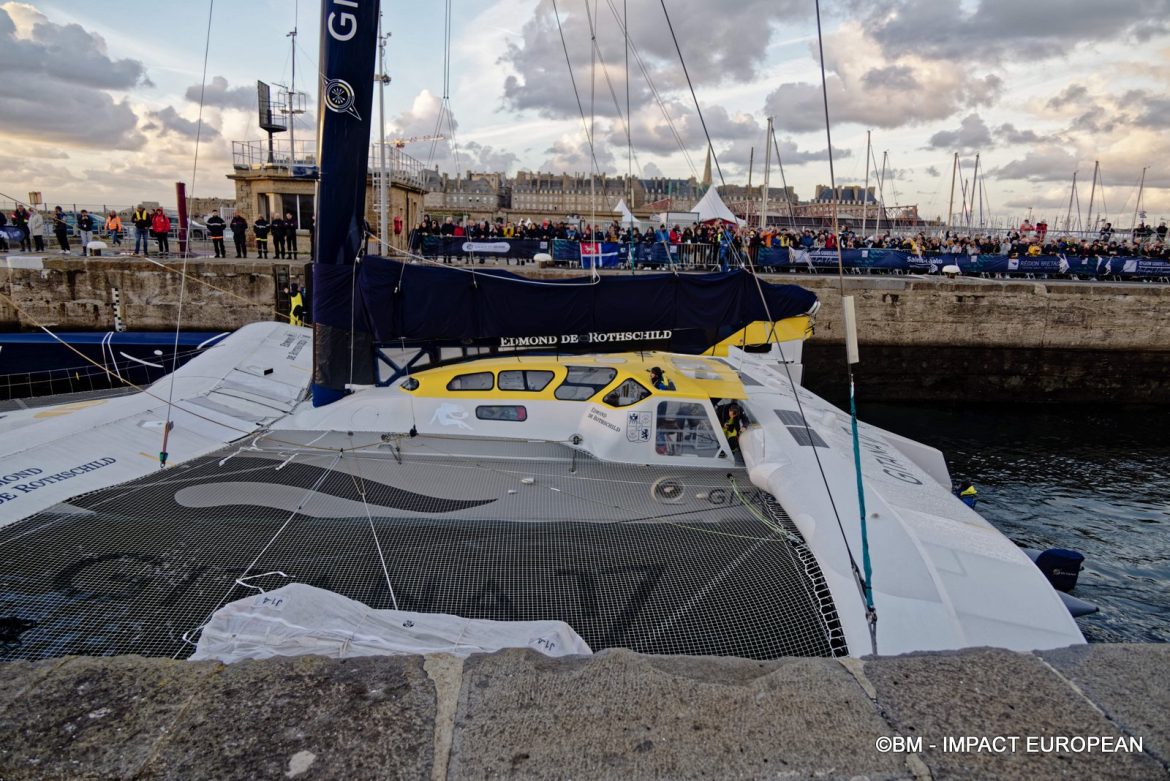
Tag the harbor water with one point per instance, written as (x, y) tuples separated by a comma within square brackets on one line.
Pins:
[(1089, 478)]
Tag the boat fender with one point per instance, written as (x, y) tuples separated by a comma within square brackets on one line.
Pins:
[(1061, 567)]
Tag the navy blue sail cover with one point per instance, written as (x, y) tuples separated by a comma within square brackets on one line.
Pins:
[(396, 301), (349, 35)]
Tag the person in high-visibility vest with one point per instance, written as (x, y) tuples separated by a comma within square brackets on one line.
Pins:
[(967, 494), (732, 426), (296, 306)]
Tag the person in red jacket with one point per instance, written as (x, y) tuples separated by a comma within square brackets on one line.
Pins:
[(160, 226)]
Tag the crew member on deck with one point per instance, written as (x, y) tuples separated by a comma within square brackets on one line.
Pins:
[(732, 426), (659, 381)]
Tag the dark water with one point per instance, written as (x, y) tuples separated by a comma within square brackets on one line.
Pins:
[(1091, 479)]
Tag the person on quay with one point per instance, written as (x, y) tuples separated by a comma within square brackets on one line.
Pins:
[(290, 236), (36, 227), (260, 228), (216, 227), (141, 219), (3, 234), (61, 230), (239, 228), (114, 229), (160, 226), (20, 222), (85, 226), (277, 227)]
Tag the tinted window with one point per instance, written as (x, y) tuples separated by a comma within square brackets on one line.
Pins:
[(501, 412), (684, 429), (524, 380), (629, 392), (582, 382), (471, 382)]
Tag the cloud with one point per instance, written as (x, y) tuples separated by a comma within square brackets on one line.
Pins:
[(55, 80), (720, 45), (972, 133), (38, 48), (933, 172), (449, 153), (864, 88), (1008, 134), (169, 121), (218, 93), (1073, 93), (1048, 164), (995, 30), (570, 154)]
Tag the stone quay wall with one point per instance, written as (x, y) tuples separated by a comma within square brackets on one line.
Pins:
[(1095, 711)]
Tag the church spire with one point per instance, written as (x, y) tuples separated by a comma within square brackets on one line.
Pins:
[(707, 169)]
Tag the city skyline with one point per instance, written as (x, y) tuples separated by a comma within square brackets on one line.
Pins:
[(108, 111)]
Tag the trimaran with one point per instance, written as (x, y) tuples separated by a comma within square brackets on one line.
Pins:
[(548, 494)]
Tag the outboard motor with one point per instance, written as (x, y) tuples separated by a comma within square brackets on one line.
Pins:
[(1061, 567)]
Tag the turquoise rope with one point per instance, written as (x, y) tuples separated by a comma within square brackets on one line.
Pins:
[(865, 562)]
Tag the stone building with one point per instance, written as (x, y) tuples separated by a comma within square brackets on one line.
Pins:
[(270, 188)]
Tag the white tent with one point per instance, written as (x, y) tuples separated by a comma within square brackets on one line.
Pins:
[(627, 216), (712, 207)]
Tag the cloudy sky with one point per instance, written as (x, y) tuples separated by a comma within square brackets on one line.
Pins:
[(100, 102)]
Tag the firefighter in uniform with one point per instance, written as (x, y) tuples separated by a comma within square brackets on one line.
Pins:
[(277, 226), (216, 227), (260, 228)]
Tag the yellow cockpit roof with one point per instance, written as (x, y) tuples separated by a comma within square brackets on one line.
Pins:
[(694, 376)]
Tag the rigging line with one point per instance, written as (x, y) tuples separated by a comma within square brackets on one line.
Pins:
[(205, 283), (867, 583), (498, 278), (629, 141), (145, 390), (593, 56), (325, 472), (359, 484), (784, 181), (168, 425), (654, 91), (573, 80), (694, 97)]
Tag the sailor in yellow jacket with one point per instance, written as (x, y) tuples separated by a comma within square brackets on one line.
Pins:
[(296, 306)]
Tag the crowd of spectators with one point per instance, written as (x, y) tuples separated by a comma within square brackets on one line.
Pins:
[(1028, 239)]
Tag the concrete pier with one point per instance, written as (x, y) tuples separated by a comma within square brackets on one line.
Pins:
[(922, 338), (1083, 712)]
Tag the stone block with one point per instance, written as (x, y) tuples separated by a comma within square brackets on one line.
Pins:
[(623, 715), (310, 717), (1128, 683), (90, 717), (995, 693)]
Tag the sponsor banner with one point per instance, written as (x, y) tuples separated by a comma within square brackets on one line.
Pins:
[(461, 247), (591, 337)]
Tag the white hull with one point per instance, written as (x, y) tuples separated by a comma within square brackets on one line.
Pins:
[(943, 577)]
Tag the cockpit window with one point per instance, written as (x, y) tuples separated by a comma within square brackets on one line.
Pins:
[(684, 429), (583, 382), (525, 380), (629, 392), (477, 381)]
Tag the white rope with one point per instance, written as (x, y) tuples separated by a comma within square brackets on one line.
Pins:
[(359, 483), (187, 239)]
